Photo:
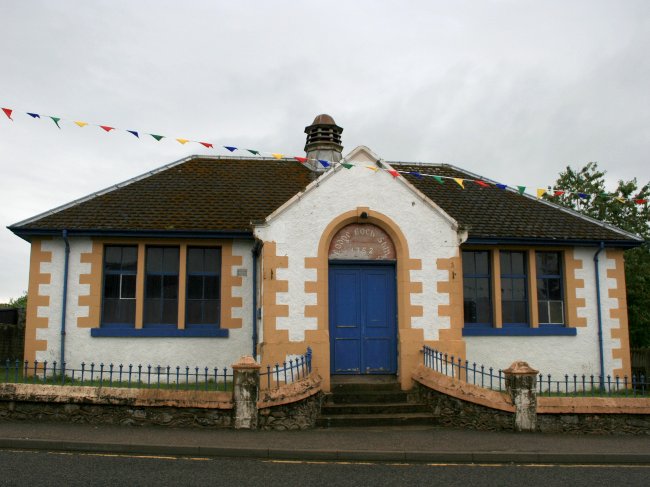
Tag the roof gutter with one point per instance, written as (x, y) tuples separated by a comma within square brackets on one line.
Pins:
[(549, 242), (25, 233)]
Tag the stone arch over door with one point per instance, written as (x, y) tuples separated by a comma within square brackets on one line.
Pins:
[(409, 340)]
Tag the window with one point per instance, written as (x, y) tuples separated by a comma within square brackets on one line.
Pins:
[(514, 293), (120, 268), (203, 286), (514, 283), (550, 294), (477, 302), (161, 286)]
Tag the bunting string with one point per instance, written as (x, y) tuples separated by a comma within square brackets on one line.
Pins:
[(379, 166)]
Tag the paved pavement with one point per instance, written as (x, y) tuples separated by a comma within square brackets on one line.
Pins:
[(391, 444)]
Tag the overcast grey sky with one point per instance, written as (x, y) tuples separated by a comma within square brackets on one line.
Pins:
[(511, 89)]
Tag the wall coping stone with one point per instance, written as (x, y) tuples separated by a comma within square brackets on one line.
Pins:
[(291, 393)]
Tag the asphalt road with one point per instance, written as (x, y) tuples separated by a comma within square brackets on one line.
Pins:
[(36, 468)]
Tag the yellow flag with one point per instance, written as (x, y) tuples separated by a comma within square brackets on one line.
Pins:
[(540, 192), (621, 199), (461, 182), (278, 156), (183, 141), (82, 124), (372, 167)]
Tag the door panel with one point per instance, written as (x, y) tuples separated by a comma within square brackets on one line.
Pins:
[(362, 319)]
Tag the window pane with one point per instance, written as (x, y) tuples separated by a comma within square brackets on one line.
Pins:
[(170, 260), (548, 263), (110, 311), (128, 286), (194, 287), (129, 258), (211, 287), (152, 311), (557, 312), (518, 263), (554, 288), (170, 311), (542, 309), (542, 291), (469, 307), (153, 287), (194, 260), (519, 312), (505, 261), (112, 286), (519, 289), (469, 267), (127, 311), (211, 312), (211, 260), (506, 288), (170, 287), (482, 263), (193, 312), (112, 258), (154, 259)]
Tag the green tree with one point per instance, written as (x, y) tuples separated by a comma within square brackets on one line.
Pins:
[(20, 302), (584, 191)]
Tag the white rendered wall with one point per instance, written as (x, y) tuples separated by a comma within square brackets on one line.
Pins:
[(298, 228), (174, 351), (559, 355)]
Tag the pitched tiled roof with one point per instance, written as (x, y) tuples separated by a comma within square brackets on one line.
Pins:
[(214, 194), (202, 194), (493, 214)]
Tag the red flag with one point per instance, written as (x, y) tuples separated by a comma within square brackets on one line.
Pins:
[(107, 128), (640, 201), (300, 159), (558, 192), (207, 144), (393, 173), (482, 184), (8, 112)]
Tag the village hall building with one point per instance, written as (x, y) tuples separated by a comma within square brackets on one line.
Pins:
[(365, 261)]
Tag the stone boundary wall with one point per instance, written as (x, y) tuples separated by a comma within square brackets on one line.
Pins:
[(460, 404), (292, 406)]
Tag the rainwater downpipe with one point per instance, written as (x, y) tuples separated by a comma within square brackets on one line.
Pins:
[(64, 302), (256, 253), (600, 316)]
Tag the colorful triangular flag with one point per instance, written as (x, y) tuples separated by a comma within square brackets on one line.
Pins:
[(56, 121), (620, 199), (157, 137), (230, 148), (482, 184), (134, 132), (324, 163), (439, 179), (558, 192), (106, 128), (346, 165), (254, 152), (584, 196), (460, 182), (33, 115), (300, 159), (540, 192), (640, 201), (8, 112), (372, 168), (393, 173), (277, 155), (81, 124), (182, 141), (521, 189), (501, 186), (416, 174), (207, 145)]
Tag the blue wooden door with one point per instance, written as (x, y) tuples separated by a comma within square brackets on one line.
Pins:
[(363, 334)]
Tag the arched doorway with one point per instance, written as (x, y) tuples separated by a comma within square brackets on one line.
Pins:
[(362, 301)]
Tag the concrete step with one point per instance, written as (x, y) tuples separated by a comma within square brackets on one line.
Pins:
[(349, 420), (373, 408), (368, 396), (347, 387)]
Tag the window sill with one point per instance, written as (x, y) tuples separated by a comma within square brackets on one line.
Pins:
[(519, 331), (207, 331)]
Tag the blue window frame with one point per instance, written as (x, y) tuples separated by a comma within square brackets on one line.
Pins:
[(161, 286), (118, 289), (550, 288), (477, 295), (203, 303), (514, 288)]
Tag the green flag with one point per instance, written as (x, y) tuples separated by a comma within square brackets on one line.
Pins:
[(157, 137), (56, 121), (521, 189)]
